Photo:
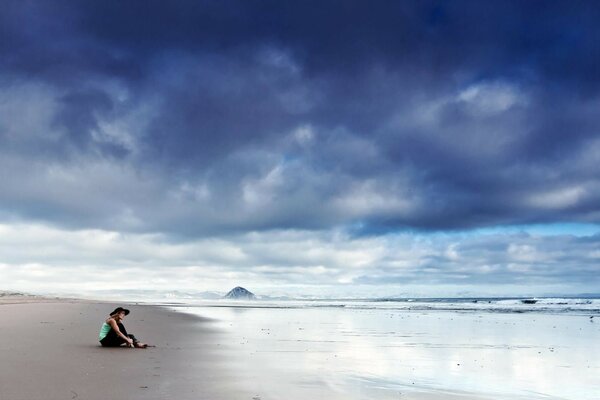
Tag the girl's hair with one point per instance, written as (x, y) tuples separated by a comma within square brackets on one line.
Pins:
[(118, 310)]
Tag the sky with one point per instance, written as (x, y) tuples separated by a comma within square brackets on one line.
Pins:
[(323, 148)]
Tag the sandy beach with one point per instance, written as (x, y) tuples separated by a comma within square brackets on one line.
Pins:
[(50, 352), (53, 354)]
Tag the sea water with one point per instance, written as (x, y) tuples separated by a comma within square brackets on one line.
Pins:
[(348, 349)]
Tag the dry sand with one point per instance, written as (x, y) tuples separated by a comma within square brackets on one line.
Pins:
[(49, 350)]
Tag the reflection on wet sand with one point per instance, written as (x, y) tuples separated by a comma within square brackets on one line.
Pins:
[(378, 353)]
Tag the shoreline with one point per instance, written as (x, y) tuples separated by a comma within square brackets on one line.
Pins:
[(55, 355), (52, 352)]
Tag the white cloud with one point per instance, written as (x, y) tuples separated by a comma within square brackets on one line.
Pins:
[(125, 130), (260, 192), (369, 197), (46, 259), (489, 98), (304, 135), (557, 198)]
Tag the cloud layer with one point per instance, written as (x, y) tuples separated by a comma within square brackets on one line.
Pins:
[(194, 120), (301, 263)]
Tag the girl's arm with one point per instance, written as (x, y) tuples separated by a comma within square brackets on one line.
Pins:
[(113, 324)]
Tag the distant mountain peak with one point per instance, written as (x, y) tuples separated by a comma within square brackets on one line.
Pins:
[(239, 292)]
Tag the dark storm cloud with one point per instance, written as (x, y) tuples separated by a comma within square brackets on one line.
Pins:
[(216, 116)]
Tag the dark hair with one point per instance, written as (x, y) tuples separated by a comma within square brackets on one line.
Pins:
[(118, 310)]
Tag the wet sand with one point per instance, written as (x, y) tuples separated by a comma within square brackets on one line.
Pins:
[(49, 350), (356, 354)]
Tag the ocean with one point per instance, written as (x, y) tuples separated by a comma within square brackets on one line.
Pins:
[(484, 348)]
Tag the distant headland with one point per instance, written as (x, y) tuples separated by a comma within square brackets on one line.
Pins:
[(240, 293)]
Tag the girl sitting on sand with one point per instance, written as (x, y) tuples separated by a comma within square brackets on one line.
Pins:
[(114, 334)]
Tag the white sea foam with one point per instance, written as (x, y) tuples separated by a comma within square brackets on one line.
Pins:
[(579, 306)]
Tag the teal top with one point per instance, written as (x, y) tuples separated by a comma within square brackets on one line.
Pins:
[(104, 331)]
